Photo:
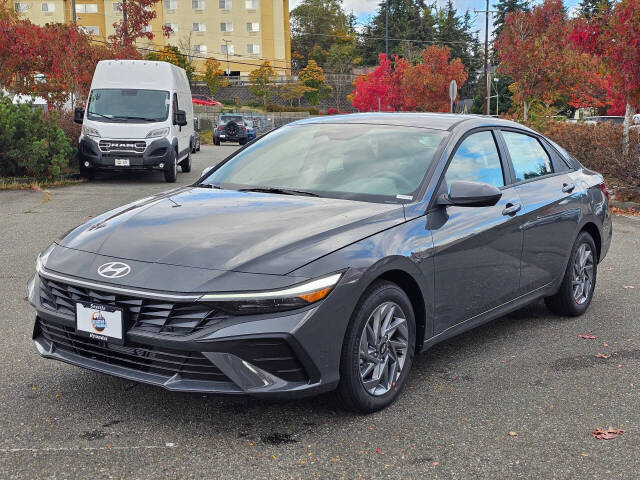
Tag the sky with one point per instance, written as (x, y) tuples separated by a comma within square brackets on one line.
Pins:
[(364, 9)]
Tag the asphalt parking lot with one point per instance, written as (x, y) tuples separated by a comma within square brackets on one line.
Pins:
[(527, 373)]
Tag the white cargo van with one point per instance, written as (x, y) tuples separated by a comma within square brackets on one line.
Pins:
[(139, 115)]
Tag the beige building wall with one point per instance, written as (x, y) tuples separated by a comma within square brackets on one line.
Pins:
[(53, 12), (253, 30)]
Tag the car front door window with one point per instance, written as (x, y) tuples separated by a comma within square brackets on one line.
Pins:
[(477, 160)]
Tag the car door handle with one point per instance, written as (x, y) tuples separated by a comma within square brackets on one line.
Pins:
[(568, 187), (511, 209)]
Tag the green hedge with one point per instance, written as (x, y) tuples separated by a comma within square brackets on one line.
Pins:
[(31, 145)]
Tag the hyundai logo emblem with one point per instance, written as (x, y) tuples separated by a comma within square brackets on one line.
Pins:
[(113, 270)]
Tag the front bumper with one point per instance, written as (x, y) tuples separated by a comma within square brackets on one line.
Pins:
[(157, 152), (284, 355)]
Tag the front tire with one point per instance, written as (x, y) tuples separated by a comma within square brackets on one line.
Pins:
[(378, 349), (242, 141), (171, 170), (579, 281)]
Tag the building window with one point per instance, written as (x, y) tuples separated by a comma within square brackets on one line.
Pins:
[(200, 49), (117, 7), (253, 27), (48, 7), (199, 27), (197, 4), (90, 29), (170, 4), (172, 26), (226, 49), (225, 4), (146, 29), (86, 8), (251, 4), (20, 7), (253, 49), (226, 27)]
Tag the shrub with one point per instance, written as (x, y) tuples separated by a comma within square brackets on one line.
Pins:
[(31, 144), (274, 107), (598, 147)]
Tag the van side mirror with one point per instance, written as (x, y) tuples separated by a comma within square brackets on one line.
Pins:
[(78, 115), (470, 194), (180, 118)]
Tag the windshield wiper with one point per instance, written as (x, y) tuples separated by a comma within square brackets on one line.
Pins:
[(281, 191), (208, 185), (100, 115), (136, 118)]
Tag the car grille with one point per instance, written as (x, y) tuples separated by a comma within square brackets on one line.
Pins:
[(144, 358), (142, 314), (122, 146)]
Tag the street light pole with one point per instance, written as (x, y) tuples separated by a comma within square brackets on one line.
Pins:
[(486, 59), (124, 22)]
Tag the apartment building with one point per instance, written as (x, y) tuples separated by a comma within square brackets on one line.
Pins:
[(239, 33)]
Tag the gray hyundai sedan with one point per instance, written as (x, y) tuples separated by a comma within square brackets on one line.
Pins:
[(324, 256)]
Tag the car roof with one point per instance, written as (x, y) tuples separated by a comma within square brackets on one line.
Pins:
[(435, 121)]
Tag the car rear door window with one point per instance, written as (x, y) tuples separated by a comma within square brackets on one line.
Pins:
[(476, 160), (529, 158)]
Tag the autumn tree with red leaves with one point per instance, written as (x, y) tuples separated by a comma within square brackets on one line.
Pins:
[(400, 85), (138, 15), (534, 50), (613, 36)]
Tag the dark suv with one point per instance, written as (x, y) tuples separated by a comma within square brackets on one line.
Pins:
[(231, 128)]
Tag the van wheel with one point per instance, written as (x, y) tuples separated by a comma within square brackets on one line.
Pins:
[(378, 349), (242, 141), (216, 141), (171, 169), (186, 163)]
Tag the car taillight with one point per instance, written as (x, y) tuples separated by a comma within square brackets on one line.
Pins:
[(604, 190), (219, 129), (244, 129)]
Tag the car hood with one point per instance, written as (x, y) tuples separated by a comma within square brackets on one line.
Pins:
[(230, 230)]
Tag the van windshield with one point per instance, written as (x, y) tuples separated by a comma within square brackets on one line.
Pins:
[(128, 105)]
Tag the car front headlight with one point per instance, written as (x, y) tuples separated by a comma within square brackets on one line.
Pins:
[(41, 261), (158, 132), (269, 301), (90, 131)]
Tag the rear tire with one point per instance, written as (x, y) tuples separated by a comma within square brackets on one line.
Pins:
[(579, 281), (376, 361), (185, 165), (171, 170), (216, 142)]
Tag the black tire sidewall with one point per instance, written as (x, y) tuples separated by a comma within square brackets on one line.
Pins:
[(171, 170), (584, 237), (351, 388)]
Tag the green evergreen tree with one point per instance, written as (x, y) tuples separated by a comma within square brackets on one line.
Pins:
[(589, 8), (503, 7)]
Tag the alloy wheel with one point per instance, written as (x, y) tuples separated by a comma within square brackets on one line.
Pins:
[(383, 348), (582, 274)]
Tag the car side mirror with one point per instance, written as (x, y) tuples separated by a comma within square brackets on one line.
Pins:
[(470, 194), (205, 171), (180, 118), (78, 115)]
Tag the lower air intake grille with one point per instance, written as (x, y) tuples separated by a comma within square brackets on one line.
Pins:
[(144, 358)]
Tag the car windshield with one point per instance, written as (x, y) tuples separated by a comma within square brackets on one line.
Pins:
[(379, 163), (231, 118), (128, 105)]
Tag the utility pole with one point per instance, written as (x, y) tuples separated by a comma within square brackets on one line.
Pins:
[(125, 27), (487, 91), (386, 29), (226, 43), (73, 10)]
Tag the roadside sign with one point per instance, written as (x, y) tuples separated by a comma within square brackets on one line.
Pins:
[(453, 92)]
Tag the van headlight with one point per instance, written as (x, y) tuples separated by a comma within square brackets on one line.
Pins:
[(269, 301), (158, 132), (90, 131)]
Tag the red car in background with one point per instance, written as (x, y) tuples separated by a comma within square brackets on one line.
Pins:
[(204, 100)]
